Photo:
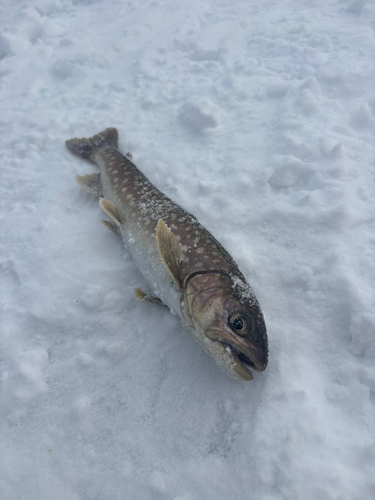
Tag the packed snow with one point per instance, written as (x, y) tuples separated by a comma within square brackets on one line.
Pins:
[(258, 117)]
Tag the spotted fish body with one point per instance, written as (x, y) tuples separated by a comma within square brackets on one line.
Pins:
[(186, 267)]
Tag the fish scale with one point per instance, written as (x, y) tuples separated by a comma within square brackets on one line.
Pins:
[(140, 202), (186, 267)]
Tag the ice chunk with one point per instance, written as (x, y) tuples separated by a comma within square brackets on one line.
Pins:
[(32, 368), (310, 83), (278, 89), (11, 44), (113, 301), (308, 101), (127, 470), (361, 115), (34, 364), (158, 483), (82, 407), (118, 350), (199, 114), (356, 6), (206, 55), (329, 146), (84, 359), (300, 278), (362, 329), (93, 296), (289, 171), (65, 69)]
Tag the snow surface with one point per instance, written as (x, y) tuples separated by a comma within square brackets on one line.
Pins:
[(256, 116)]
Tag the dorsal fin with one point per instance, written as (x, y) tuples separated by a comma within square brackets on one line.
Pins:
[(111, 210), (170, 251)]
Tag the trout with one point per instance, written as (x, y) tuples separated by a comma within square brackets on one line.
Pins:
[(187, 269)]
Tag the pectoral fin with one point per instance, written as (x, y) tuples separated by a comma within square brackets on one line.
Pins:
[(90, 183), (111, 210), (170, 251), (143, 297)]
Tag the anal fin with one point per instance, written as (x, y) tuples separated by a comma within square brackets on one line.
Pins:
[(111, 210), (143, 297), (112, 226), (90, 183)]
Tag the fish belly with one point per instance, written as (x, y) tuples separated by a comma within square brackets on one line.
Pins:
[(138, 231)]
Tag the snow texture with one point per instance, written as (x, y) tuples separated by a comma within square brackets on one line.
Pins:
[(256, 116)]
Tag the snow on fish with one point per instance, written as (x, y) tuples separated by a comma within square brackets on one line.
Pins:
[(186, 267)]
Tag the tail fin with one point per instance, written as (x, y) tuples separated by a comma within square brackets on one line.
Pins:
[(84, 147)]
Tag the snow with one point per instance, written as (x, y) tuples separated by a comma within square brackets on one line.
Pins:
[(256, 116)]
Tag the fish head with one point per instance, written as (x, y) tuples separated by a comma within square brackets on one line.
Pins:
[(227, 316)]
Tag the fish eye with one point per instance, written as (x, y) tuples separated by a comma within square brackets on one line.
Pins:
[(239, 324)]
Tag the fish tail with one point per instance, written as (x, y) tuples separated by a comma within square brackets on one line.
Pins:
[(85, 147)]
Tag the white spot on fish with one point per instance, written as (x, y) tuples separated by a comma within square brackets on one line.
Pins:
[(123, 189), (129, 196)]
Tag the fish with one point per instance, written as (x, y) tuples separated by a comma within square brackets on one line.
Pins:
[(186, 268)]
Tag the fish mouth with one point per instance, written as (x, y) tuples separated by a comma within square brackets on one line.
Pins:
[(244, 360)]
